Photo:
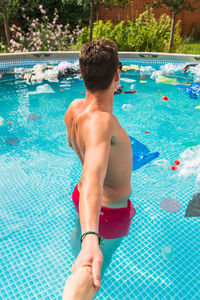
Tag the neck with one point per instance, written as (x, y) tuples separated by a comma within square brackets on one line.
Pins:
[(103, 99)]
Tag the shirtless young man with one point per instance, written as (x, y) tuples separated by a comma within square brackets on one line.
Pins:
[(101, 197)]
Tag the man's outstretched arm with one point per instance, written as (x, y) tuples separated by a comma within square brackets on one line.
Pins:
[(97, 134)]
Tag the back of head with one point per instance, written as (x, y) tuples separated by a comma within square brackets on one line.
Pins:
[(98, 63)]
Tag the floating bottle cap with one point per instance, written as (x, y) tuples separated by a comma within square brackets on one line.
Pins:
[(165, 98), (174, 167)]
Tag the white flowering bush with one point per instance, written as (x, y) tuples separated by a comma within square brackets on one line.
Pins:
[(43, 35)]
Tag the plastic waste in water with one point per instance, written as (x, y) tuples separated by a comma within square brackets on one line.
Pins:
[(12, 141), (170, 205), (64, 65), (129, 80), (33, 117), (190, 163), (167, 252), (146, 70), (172, 68), (1, 121), (161, 164), (127, 107), (41, 89)]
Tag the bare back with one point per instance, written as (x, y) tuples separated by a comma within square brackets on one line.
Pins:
[(117, 182)]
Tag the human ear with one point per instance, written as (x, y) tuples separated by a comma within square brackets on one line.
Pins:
[(117, 77)]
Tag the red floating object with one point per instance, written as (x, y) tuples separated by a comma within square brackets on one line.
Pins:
[(25, 78), (181, 89), (72, 80), (174, 167), (9, 123), (165, 98), (134, 91), (158, 90), (142, 77), (177, 162), (82, 92), (147, 131), (62, 90)]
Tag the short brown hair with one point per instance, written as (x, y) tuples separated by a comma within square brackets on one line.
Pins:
[(98, 63)]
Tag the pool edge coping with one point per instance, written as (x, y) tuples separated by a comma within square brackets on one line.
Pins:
[(143, 56)]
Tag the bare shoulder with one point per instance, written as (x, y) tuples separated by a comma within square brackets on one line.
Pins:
[(99, 118), (98, 124), (69, 111)]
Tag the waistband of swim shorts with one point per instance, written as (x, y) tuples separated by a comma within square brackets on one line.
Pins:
[(113, 222)]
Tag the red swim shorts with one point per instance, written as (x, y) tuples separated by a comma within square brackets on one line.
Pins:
[(113, 222)]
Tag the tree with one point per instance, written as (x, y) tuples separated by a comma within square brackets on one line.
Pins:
[(94, 4), (175, 7), (3, 6)]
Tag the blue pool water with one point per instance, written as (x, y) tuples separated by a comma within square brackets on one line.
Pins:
[(160, 257)]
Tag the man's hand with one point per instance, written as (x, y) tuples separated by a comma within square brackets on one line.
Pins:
[(90, 255)]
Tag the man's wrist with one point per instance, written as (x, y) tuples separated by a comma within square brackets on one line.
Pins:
[(91, 236), (90, 239)]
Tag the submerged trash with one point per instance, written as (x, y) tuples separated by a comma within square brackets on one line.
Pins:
[(193, 90), (167, 252), (141, 154), (1, 121), (127, 107), (170, 205), (43, 71), (193, 208), (147, 70), (190, 163), (162, 164), (166, 80), (33, 117), (12, 141), (42, 89), (129, 80)]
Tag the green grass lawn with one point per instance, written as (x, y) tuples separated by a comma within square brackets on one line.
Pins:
[(190, 48)]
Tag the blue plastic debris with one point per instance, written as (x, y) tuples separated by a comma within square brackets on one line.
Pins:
[(193, 90), (141, 154)]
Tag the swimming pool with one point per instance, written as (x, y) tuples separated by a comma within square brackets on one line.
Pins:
[(160, 257)]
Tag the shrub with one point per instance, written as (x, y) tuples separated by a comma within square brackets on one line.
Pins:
[(3, 48), (143, 34), (43, 35)]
